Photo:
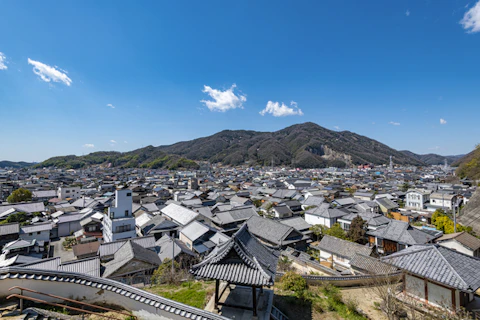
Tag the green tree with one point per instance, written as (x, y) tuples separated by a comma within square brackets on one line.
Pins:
[(336, 231), (20, 195), (405, 186), (292, 281), (318, 230), (356, 233)]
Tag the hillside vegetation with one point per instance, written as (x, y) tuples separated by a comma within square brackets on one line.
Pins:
[(469, 166), (306, 145), (148, 157)]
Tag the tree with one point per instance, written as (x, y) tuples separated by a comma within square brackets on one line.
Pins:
[(318, 230), (405, 186), (336, 231), (164, 273), (20, 195), (292, 281), (285, 264), (356, 233)]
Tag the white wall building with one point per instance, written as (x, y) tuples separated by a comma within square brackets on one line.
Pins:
[(119, 222), (68, 192), (416, 198)]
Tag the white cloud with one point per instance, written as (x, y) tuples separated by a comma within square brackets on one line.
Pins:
[(48, 73), (471, 19), (407, 13), (394, 123), (113, 141), (434, 148), (443, 121), (336, 127), (111, 106), (281, 110), (89, 145), (3, 61), (125, 142), (223, 100)]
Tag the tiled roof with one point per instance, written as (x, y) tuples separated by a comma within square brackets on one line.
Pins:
[(166, 307), (9, 228), (401, 232), (439, 264), (343, 248), (241, 260), (129, 251), (464, 238), (109, 248), (371, 265)]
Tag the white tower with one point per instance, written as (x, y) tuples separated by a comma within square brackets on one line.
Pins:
[(391, 164), (119, 222)]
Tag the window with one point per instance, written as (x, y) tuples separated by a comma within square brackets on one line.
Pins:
[(120, 229), (126, 213), (38, 232), (129, 194), (68, 191), (30, 234)]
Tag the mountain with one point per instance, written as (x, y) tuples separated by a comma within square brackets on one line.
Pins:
[(432, 159), (16, 165), (306, 145), (148, 157), (469, 165)]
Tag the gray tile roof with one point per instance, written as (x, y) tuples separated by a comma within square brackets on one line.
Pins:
[(296, 222), (443, 265), (45, 226), (89, 266), (401, 232), (371, 265), (241, 260), (343, 248), (238, 214), (165, 251), (326, 212), (9, 228), (128, 252), (26, 207), (109, 248), (466, 239), (272, 231)]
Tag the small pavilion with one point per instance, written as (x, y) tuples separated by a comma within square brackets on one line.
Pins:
[(243, 261)]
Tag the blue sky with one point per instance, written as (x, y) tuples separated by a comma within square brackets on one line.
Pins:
[(178, 70)]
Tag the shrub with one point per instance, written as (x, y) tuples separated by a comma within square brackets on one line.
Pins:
[(292, 281)]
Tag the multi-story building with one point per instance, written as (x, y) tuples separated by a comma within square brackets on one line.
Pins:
[(68, 192), (119, 222), (417, 198)]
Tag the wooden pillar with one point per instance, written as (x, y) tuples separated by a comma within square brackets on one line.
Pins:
[(426, 289), (254, 296), (454, 302), (217, 285)]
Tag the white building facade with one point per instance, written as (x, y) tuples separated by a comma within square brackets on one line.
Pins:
[(416, 199), (119, 222), (68, 192)]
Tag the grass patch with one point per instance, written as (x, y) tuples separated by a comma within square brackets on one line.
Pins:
[(316, 303), (192, 293)]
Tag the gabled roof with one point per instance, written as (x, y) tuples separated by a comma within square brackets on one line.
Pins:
[(325, 211), (109, 248), (401, 232), (296, 222), (39, 227), (466, 239), (179, 214), (440, 264), (128, 252), (343, 248), (387, 203), (166, 247), (194, 230), (272, 231), (9, 228), (237, 214), (371, 265), (241, 260)]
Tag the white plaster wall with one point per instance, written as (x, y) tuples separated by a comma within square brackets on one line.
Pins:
[(415, 286), (439, 295), (312, 219), (452, 244), (78, 292)]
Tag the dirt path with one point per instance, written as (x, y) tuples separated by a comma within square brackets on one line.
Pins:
[(365, 299)]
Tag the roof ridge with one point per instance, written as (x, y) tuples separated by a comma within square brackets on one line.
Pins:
[(450, 266)]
